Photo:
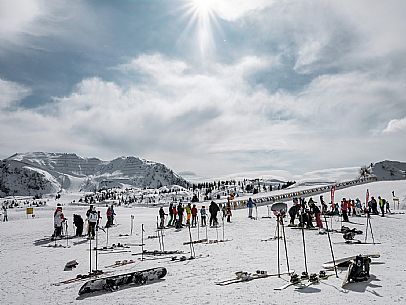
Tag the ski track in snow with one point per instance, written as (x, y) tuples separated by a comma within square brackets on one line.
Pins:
[(27, 271)]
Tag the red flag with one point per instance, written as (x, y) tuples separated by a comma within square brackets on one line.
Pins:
[(333, 189), (367, 198)]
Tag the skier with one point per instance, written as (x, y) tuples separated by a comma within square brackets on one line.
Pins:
[(175, 213), (228, 211), (316, 211), (387, 207), (170, 210), (92, 220), (194, 216), (5, 218), (188, 210), (294, 209), (203, 215), (382, 205), (59, 218), (162, 217), (78, 222), (213, 209), (250, 205), (323, 205), (374, 206), (358, 207), (113, 213), (344, 209), (109, 215), (180, 216)]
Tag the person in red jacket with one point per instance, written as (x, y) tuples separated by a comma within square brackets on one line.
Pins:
[(194, 216), (344, 209)]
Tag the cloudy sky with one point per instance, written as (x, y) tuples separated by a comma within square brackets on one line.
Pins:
[(209, 86)]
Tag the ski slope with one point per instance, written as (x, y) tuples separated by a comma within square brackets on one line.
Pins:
[(28, 271)]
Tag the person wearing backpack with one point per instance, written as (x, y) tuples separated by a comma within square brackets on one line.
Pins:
[(92, 220)]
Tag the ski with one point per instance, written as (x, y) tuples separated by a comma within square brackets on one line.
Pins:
[(245, 277), (196, 241), (344, 262), (120, 263), (215, 241), (183, 258), (113, 283), (157, 252), (81, 277)]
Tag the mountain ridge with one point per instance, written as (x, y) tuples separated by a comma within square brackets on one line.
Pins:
[(42, 172)]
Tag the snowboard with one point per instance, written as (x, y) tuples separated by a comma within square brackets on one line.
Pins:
[(344, 262), (113, 283)]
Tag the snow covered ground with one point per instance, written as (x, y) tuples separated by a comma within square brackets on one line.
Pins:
[(28, 271)]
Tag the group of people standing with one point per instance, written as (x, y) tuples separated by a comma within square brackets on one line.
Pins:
[(305, 211), (93, 218), (177, 214)]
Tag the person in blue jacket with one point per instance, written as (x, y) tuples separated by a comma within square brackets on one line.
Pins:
[(250, 205)]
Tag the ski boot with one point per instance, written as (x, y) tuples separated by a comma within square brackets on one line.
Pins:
[(322, 274), (304, 276), (313, 278), (262, 272), (294, 278)]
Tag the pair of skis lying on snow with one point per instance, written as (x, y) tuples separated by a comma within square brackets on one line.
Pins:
[(245, 277)]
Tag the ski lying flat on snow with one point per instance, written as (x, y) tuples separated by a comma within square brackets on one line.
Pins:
[(250, 276), (112, 283), (346, 260), (81, 277), (301, 285)]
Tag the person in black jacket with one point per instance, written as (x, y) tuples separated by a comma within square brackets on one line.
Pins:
[(213, 209), (78, 222), (180, 215), (294, 209)]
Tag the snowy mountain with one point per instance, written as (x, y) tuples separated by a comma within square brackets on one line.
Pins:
[(41, 173), (389, 170)]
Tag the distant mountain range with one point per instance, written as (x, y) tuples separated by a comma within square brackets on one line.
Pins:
[(42, 173)]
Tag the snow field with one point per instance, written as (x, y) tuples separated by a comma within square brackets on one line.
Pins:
[(28, 271)]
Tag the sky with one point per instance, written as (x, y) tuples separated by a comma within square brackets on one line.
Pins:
[(212, 87)]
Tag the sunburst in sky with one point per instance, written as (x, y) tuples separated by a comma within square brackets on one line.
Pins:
[(202, 18)]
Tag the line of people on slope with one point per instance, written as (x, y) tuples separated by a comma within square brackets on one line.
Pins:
[(93, 219), (176, 214)]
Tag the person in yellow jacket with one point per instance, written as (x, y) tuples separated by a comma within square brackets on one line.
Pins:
[(382, 204), (188, 210)]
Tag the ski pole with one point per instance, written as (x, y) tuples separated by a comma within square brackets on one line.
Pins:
[(207, 238), (90, 256), (66, 229), (97, 235), (157, 232), (192, 249), (162, 239), (367, 223), (331, 246), (132, 223), (286, 248), (198, 228), (304, 244), (277, 226), (142, 242), (107, 237), (223, 227)]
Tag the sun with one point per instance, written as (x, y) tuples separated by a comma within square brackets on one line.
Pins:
[(203, 7), (203, 18)]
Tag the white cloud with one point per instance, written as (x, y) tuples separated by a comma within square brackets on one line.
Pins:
[(214, 121), (396, 125), (11, 93)]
